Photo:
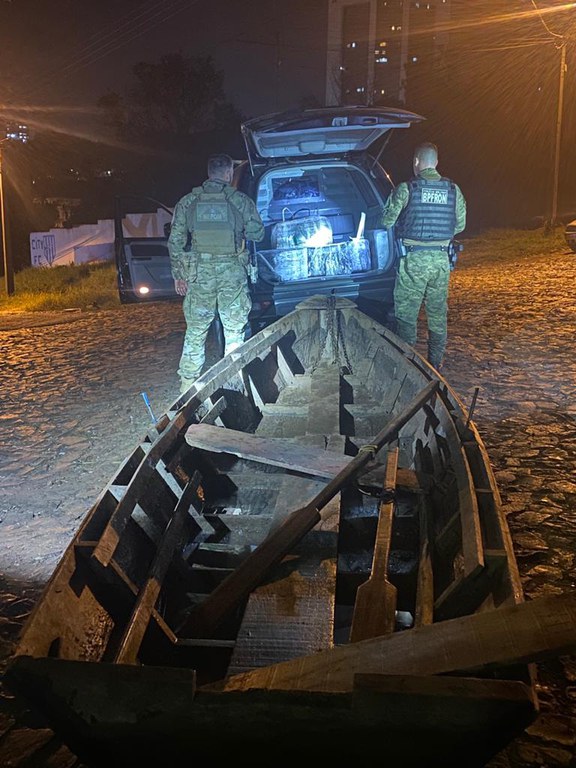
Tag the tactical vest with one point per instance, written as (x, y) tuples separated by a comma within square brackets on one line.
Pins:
[(431, 210), (215, 223)]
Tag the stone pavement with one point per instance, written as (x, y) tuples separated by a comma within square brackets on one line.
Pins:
[(71, 410)]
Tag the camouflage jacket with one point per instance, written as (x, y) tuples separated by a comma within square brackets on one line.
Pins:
[(181, 257), (398, 200)]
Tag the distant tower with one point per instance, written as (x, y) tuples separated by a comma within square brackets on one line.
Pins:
[(375, 47)]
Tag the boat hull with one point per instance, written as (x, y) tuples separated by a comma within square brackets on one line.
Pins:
[(300, 558), (111, 715)]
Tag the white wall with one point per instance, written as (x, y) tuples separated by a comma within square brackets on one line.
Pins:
[(91, 242)]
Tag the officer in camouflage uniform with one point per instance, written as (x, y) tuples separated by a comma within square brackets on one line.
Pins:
[(428, 211), (210, 262)]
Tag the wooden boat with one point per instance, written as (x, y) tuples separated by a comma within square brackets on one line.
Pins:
[(305, 557)]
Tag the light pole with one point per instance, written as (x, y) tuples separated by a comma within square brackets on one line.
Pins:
[(8, 267), (558, 134)]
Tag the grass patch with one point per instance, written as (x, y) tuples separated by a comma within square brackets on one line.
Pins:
[(93, 286), (83, 286), (498, 245)]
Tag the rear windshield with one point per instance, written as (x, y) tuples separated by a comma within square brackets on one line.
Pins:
[(340, 192), (321, 221)]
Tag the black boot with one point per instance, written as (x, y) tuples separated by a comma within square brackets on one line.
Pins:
[(436, 348)]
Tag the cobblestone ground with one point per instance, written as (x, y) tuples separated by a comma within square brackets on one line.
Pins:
[(71, 410)]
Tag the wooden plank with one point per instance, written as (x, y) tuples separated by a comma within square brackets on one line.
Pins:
[(206, 617), (292, 613), (215, 411), (519, 634), (206, 387), (375, 605), (324, 402), (283, 367), (292, 455), (253, 389), (467, 593), (424, 613), (138, 624)]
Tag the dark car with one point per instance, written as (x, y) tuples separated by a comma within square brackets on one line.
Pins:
[(320, 195), (570, 234)]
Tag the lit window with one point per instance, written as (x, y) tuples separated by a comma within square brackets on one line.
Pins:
[(414, 58), (382, 60), (351, 45), (383, 44), (360, 89)]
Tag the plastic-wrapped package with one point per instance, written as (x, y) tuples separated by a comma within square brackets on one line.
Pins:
[(326, 261), (283, 234), (340, 258), (380, 243), (291, 263), (360, 259), (312, 231)]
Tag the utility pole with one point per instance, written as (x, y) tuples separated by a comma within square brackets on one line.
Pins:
[(559, 115), (8, 266)]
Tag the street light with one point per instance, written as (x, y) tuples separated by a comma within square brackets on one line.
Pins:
[(8, 267), (561, 44), (554, 213)]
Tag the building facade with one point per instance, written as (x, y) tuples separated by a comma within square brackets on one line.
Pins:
[(378, 50)]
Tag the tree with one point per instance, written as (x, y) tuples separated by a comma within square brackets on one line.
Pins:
[(175, 97)]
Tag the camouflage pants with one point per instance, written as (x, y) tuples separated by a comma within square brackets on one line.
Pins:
[(422, 277), (221, 286)]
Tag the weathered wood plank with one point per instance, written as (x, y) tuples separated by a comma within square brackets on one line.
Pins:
[(203, 388), (424, 613), (138, 623), (215, 411), (467, 593), (518, 634), (292, 455), (206, 617), (375, 606), (324, 404), (292, 614)]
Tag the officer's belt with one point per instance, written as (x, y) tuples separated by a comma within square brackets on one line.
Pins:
[(220, 255), (412, 248)]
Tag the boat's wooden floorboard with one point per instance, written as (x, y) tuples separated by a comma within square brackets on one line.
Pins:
[(293, 612)]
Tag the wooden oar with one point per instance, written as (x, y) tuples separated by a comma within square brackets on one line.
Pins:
[(208, 615), (375, 605)]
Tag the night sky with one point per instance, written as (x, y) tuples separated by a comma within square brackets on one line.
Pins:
[(55, 52), (497, 129)]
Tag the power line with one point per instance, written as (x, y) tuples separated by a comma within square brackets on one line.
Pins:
[(131, 27), (543, 20)]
